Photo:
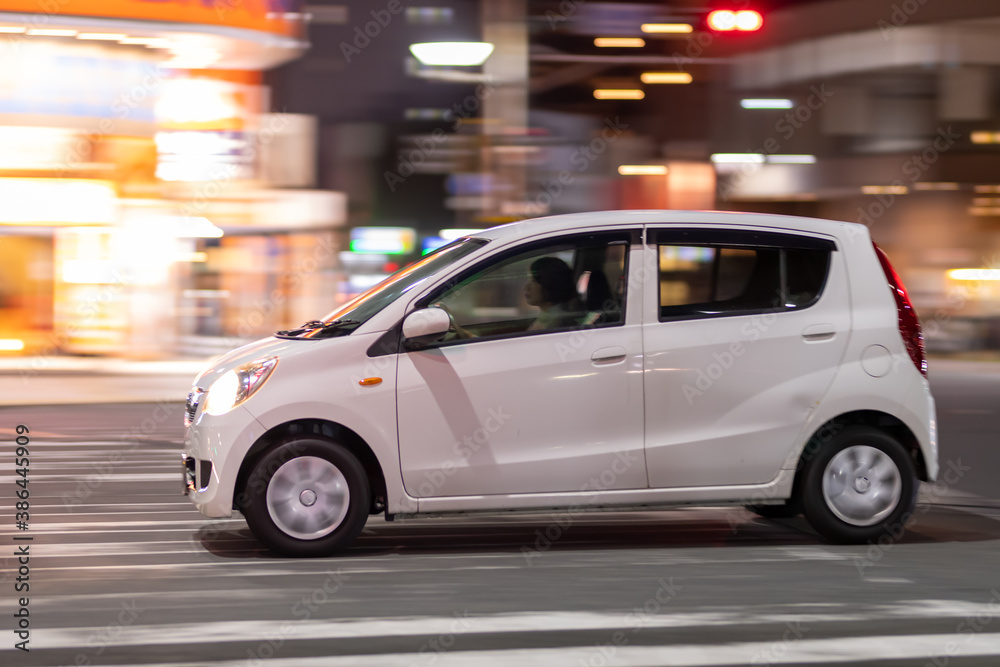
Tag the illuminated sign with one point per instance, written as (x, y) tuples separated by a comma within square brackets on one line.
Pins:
[(383, 240), (283, 17)]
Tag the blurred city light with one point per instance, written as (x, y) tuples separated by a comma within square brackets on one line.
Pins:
[(11, 345), (620, 42), (665, 77), (666, 28), (452, 54), (102, 36), (974, 274), (760, 103), (452, 234), (642, 170), (737, 158), (981, 137), (884, 190), (725, 20), (791, 159), (619, 94)]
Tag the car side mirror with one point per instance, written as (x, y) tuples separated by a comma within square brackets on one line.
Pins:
[(425, 326)]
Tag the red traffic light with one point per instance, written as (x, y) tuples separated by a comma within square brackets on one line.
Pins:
[(725, 20)]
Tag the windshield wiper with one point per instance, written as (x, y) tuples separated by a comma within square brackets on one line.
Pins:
[(313, 325)]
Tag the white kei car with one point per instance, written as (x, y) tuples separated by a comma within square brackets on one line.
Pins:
[(619, 359)]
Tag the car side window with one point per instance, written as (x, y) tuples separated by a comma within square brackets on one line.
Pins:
[(714, 279), (563, 284)]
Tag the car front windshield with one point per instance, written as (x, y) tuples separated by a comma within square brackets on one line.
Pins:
[(363, 307)]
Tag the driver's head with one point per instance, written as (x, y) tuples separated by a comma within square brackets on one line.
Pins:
[(551, 282)]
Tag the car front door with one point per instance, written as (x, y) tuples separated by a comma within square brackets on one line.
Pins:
[(539, 388), (744, 334)]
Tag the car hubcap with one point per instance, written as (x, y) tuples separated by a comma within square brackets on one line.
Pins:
[(862, 485), (308, 497)]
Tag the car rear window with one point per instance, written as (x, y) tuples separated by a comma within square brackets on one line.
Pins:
[(717, 279)]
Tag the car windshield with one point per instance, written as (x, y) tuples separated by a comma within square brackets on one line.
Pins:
[(361, 308)]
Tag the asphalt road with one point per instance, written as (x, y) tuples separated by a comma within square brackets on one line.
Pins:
[(124, 571)]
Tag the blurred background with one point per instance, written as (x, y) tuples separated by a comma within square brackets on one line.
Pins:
[(180, 176)]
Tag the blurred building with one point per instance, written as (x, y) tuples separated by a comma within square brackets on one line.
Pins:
[(174, 170), (152, 203)]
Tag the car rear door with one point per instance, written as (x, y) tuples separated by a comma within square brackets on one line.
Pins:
[(744, 330)]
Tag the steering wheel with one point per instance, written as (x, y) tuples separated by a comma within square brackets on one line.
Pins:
[(454, 330)]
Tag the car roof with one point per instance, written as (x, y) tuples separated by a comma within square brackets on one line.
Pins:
[(625, 218)]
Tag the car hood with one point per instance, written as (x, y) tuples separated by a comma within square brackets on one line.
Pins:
[(265, 347)]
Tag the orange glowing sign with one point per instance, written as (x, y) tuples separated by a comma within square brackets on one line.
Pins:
[(283, 17)]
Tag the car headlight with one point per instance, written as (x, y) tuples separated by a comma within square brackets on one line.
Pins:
[(238, 385)]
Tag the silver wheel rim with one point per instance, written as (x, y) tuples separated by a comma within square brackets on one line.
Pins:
[(308, 497), (862, 485)]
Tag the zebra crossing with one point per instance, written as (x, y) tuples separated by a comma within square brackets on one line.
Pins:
[(124, 571)]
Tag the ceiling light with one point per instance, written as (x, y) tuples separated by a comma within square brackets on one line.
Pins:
[(884, 190), (791, 159), (452, 54), (737, 158), (642, 170), (935, 186), (766, 104), (619, 94), (665, 77), (620, 42), (985, 137), (12, 29), (666, 28)]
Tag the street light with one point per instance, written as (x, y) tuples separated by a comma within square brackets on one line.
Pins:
[(452, 54)]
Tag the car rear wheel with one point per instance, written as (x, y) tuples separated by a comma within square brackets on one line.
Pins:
[(860, 486), (308, 496)]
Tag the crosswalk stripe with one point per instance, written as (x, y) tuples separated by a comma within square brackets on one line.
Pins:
[(599, 622), (803, 651)]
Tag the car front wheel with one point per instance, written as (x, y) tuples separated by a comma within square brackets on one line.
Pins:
[(860, 486), (307, 496)]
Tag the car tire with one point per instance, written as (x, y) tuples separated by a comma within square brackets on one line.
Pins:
[(859, 486), (307, 496), (784, 511)]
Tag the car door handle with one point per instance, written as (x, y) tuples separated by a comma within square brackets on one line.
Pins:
[(608, 355), (819, 332)]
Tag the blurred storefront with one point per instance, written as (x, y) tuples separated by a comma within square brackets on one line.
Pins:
[(151, 203)]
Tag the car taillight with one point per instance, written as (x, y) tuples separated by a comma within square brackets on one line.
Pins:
[(909, 324)]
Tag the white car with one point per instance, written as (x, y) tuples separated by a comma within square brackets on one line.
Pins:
[(620, 359)]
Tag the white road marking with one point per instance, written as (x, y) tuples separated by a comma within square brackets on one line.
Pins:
[(805, 651), (605, 624)]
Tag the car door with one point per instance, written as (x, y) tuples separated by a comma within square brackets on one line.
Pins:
[(745, 330), (533, 401)]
